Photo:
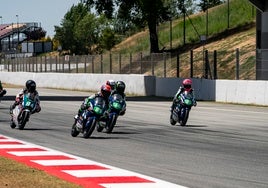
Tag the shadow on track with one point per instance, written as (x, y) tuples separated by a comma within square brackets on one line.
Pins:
[(34, 129)]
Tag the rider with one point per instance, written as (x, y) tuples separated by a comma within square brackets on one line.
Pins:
[(2, 91), (120, 89), (111, 83), (186, 86), (104, 92), (30, 87)]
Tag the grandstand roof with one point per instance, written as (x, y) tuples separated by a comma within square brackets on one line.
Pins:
[(9, 29)]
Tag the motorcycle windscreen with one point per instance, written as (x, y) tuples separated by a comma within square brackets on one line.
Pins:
[(117, 101), (28, 102), (99, 105), (188, 98)]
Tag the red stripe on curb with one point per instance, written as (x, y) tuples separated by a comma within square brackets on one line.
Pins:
[(22, 149), (116, 179), (10, 143)]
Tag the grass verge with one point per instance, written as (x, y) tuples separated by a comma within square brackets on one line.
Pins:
[(16, 175)]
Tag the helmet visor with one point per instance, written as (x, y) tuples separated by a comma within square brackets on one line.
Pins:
[(187, 86)]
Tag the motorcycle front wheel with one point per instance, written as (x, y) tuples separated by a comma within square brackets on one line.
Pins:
[(23, 119), (111, 123), (74, 131), (184, 118), (89, 128), (171, 120)]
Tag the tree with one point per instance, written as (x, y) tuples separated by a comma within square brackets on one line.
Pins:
[(139, 12), (65, 33), (108, 39), (87, 33), (179, 7), (83, 32), (206, 4)]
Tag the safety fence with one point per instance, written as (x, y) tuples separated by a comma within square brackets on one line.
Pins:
[(231, 64)]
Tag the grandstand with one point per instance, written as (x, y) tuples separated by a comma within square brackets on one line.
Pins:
[(12, 35)]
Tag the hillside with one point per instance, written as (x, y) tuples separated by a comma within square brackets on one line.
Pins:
[(241, 35)]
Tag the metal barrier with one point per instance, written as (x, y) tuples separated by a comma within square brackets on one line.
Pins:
[(233, 64)]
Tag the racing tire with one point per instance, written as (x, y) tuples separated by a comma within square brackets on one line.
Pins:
[(171, 120), (110, 124), (23, 119), (185, 118), (74, 131), (89, 129)]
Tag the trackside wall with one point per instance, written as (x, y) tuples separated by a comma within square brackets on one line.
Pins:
[(230, 91)]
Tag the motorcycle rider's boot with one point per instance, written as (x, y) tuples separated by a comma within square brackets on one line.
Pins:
[(12, 124)]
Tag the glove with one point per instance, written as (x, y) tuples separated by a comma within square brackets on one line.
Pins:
[(175, 100)]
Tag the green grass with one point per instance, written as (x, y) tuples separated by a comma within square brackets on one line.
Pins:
[(241, 13), (18, 175)]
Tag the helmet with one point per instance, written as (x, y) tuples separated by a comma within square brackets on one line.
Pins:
[(120, 86), (111, 83), (30, 86), (105, 91), (187, 83)]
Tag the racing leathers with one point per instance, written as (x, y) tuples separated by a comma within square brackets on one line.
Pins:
[(33, 95)]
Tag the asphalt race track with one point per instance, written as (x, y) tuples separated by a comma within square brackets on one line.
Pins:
[(223, 145)]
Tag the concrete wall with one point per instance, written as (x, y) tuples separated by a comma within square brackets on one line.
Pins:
[(136, 84), (230, 91)]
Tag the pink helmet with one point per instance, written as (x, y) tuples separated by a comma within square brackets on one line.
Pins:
[(187, 84)]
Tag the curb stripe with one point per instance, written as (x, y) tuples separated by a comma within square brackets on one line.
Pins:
[(62, 162), (34, 153), (99, 173), (84, 172)]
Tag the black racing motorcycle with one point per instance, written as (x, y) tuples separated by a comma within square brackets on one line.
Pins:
[(117, 105), (180, 113), (86, 122), (22, 112)]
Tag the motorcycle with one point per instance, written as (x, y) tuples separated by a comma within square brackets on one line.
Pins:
[(86, 122), (181, 111), (116, 106), (22, 112)]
